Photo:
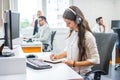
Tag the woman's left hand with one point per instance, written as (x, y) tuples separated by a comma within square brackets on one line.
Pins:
[(69, 62)]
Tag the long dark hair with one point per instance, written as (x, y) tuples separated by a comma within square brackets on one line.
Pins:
[(83, 26)]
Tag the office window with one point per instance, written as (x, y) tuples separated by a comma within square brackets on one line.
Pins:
[(28, 10), (54, 10)]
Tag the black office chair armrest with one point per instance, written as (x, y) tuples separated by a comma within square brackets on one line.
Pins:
[(96, 71), (45, 44), (45, 47), (97, 74)]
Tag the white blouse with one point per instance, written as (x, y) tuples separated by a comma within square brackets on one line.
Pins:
[(98, 28), (91, 50)]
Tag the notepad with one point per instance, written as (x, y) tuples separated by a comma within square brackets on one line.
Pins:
[(55, 61)]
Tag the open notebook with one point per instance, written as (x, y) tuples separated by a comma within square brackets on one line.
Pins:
[(55, 61)]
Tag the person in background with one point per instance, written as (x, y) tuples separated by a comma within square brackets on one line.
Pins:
[(39, 13), (100, 26), (44, 31), (81, 50)]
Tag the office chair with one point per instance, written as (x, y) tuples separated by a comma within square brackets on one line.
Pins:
[(47, 45), (35, 27), (117, 67), (52, 39), (105, 43), (115, 26)]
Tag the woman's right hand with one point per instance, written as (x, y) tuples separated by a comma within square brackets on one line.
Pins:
[(53, 57)]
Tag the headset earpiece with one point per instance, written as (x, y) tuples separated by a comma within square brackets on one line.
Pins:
[(78, 19)]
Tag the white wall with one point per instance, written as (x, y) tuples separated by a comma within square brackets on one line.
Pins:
[(95, 8), (60, 39), (0, 12), (6, 5), (14, 5), (117, 10)]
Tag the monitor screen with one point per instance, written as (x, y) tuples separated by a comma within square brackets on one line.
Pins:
[(15, 17), (115, 24), (11, 27)]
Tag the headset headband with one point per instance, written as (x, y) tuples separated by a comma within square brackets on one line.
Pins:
[(78, 19), (72, 11)]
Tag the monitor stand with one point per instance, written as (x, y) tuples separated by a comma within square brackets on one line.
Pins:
[(1, 48), (5, 53)]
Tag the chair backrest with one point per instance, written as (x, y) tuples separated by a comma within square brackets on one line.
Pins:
[(48, 47), (35, 27), (52, 38), (105, 44)]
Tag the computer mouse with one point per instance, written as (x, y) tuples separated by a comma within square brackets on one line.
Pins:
[(29, 40), (31, 56)]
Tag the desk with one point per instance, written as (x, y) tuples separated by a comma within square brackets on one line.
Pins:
[(29, 47), (58, 72), (14, 64), (115, 57)]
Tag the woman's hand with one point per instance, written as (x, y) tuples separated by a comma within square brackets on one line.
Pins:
[(69, 62), (53, 57)]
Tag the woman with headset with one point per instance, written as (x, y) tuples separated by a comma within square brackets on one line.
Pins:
[(81, 50)]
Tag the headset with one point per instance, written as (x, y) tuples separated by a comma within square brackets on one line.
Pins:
[(78, 19)]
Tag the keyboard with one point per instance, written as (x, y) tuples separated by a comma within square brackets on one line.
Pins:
[(37, 64)]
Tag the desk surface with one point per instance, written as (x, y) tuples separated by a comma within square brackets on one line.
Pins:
[(28, 47), (34, 43), (58, 72)]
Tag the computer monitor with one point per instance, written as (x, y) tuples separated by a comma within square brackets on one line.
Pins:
[(11, 28), (115, 24)]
